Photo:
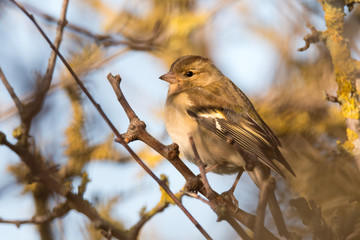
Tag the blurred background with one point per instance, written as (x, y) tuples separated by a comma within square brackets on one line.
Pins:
[(254, 43)]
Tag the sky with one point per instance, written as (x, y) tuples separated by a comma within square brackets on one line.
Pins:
[(23, 53)]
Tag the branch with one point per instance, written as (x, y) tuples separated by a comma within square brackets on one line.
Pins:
[(115, 84), (137, 131), (346, 70), (313, 37), (310, 213), (236, 226), (209, 191), (45, 85), (196, 196), (11, 91), (330, 98), (35, 106), (57, 212), (49, 179), (71, 26), (106, 39), (266, 188), (146, 216)]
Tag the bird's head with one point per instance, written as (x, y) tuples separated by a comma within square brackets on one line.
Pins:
[(190, 72)]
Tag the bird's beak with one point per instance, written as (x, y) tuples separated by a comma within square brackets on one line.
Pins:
[(169, 77)]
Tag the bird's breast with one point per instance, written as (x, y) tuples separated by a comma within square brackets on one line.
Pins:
[(212, 149), (179, 125)]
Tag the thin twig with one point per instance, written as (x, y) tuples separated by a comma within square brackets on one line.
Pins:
[(310, 214), (35, 106), (111, 125), (235, 225), (313, 37), (74, 27), (58, 38), (58, 211), (106, 39), (145, 217), (330, 98), (200, 164), (196, 196), (11, 91), (265, 189), (115, 83)]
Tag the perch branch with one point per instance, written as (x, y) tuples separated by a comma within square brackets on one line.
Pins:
[(137, 131)]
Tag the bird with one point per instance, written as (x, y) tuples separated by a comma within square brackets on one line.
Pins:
[(229, 134)]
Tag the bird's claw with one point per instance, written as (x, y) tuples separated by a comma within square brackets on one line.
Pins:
[(229, 195)]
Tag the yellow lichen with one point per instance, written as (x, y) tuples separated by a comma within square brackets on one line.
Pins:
[(348, 146), (352, 135), (164, 196), (17, 132)]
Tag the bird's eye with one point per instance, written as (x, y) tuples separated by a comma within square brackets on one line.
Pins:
[(189, 74)]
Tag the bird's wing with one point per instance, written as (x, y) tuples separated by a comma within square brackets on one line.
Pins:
[(250, 137)]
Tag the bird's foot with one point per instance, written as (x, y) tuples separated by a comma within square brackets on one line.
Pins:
[(229, 195)]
